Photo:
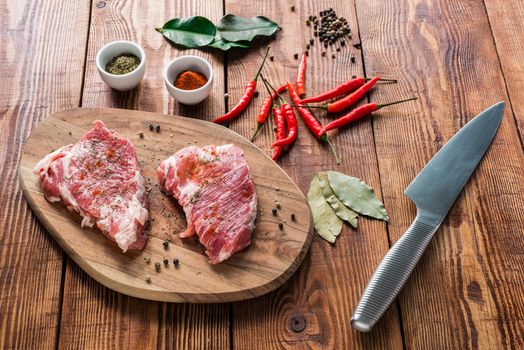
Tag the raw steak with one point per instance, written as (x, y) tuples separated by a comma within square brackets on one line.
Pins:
[(99, 178), (213, 184)]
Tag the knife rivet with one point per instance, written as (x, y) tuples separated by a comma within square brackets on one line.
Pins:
[(297, 324)]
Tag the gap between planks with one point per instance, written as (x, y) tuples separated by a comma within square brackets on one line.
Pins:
[(510, 103)]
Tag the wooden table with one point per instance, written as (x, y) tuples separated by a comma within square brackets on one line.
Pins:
[(457, 57)]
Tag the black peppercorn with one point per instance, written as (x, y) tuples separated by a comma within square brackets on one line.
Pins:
[(353, 59), (293, 217), (292, 8), (280, 226), (295, 56), (157, 267), (157, 128), (274, 211), (175, 262)]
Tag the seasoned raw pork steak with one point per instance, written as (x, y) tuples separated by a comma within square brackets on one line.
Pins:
[(99, 178), (214, 186)]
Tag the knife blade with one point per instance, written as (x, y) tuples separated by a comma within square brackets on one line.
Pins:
[(434, 190)]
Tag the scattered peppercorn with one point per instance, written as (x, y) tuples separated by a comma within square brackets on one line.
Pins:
[(308, 22), (311, 41), (166, 261), (308, 46), (151, 127), (175, 262), (277, 204), (323, 53), (271, 58), (295, 56), (256, 94), (293, 217), (281, 226), (353, 76), (148, 279), (141, 135), (307, 53), (157, 267), (353, 59), (157, 128), (165, 244), (333, 56), (357, 46), (70, 133), (292, 8), (274, 211), (338, 49)]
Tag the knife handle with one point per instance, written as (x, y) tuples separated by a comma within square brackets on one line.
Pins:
[(391, 274)]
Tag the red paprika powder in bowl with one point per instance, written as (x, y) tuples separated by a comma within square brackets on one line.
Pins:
[(189, 79)]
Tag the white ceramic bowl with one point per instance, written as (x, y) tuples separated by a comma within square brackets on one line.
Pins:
[(194, 63), (122, 82)]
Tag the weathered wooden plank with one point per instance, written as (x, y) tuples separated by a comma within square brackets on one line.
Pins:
[(94, 316), (507, 26), (314, 308), (36, 79), (467, 289)]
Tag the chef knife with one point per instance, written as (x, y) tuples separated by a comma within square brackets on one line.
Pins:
[(433, 191)]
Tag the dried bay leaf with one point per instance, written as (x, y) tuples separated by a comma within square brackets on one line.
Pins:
[(327, 223), (338, 207), (357, 195)]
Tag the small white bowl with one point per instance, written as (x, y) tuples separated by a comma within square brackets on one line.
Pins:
[(122, 82), (193, 63)]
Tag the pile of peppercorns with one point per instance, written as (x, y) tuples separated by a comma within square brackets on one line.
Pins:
[(331, 27)]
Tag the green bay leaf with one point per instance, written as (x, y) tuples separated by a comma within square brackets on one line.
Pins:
[(338, 207), (327, 223), (235, 28), (224, 45), (357, 195), (192, 32)]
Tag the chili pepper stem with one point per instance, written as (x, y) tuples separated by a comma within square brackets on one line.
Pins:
[(262, 65), (259, 126), (379, 106), (266, 84), (308, 106), (272, 88), (331, 148), (386, 80)]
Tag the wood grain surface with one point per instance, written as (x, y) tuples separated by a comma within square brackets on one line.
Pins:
[(457, 57), (35, 81), (471, 266), (272, 257)]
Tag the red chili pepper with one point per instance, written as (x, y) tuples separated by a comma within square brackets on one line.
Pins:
[(359, 113), (292, 127), (336, 91), (280, 132), (309, 119), (247, 96), (311, 122), (353, 98), (265, 108), (300, 81)]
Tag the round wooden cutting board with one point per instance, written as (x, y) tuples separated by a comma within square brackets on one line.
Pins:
[(266, 264)]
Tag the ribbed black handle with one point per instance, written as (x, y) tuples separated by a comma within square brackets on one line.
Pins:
[(391, 274)]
